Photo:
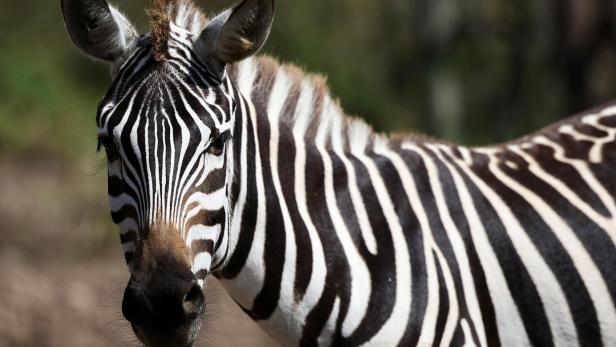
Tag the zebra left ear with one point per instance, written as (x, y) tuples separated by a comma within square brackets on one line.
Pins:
[(236, 33), (97, 29)]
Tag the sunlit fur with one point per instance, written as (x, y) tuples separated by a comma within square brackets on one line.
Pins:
[(328, 233)]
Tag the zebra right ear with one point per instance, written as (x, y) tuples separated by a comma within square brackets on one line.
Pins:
[(236, 33), (97, 29)]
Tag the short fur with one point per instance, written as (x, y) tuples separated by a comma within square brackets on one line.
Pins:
[(162, 13)]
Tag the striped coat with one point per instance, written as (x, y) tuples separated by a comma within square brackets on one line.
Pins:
[(367, 238), (323, 231)]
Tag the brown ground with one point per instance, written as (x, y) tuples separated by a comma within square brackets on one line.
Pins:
[(61, 270)]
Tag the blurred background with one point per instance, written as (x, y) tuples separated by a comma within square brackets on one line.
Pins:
[(471, 71)]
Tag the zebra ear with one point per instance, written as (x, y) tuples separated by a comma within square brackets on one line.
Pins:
[(236, 33), (97, 29)]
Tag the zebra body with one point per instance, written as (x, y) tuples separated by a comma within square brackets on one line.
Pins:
[(327, 233), (411, 241)]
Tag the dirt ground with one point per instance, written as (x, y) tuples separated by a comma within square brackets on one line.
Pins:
[(61, 270)]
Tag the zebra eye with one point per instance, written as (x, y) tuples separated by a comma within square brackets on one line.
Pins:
[(217, 146), (109, 146)]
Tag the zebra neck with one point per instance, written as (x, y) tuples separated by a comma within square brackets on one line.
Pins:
[(290, 141)]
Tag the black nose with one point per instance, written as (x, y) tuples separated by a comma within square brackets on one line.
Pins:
[(193, 301), (163, 304), (135, 305)]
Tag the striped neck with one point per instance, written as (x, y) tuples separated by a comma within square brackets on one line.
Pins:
[(285, 125), (281, 108)]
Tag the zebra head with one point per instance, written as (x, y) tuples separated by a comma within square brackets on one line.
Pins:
[(166, 125)]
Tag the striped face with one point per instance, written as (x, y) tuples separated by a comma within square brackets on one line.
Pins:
[(165, 127)]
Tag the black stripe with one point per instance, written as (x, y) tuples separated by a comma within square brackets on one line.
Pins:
[(382, 267), (303, 246), (200, 246), (456, 211), (338, 279), (130, 236), (551, 250), (427, 198), (419, 289), (518, 279), (544, 155), (249, 214), (443, 301), (606, 170), (275, 237)]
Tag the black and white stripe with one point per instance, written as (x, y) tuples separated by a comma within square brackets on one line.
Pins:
[(329, 234)]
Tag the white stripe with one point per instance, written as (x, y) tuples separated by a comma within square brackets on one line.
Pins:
[(164, 196), (454, 311), (428, 326), (170, 178), (179, 175), (148, 172), (356, 198), (140, 175), (458, 246), (596, 152), (361, 284), (202, 232), (248, 283), (202, 261), (582, 168), (204, 201), (510, 327), (393, 330), (127, 165), (327, 334), (190, 174), (468, 336), (236, 221), (210, 164), (156, 199), (549, 290), (117, 202), (586, 268), (570, 195), (280, 323), (127, 225), (247, 72), (316, 285)]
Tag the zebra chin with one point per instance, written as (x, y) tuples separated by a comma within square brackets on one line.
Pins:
[(163, 301)]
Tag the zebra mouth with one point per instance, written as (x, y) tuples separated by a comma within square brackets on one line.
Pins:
[(164, 304), (166, 338)]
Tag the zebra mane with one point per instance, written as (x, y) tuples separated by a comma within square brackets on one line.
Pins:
[(183, 13), (324, 110)]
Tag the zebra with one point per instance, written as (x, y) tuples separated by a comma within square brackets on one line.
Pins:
[(325, 232)]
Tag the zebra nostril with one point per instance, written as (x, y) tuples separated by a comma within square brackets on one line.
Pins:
[(193, 301), (131, 304)]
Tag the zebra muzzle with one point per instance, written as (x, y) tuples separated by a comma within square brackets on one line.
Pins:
[(164, 304)]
